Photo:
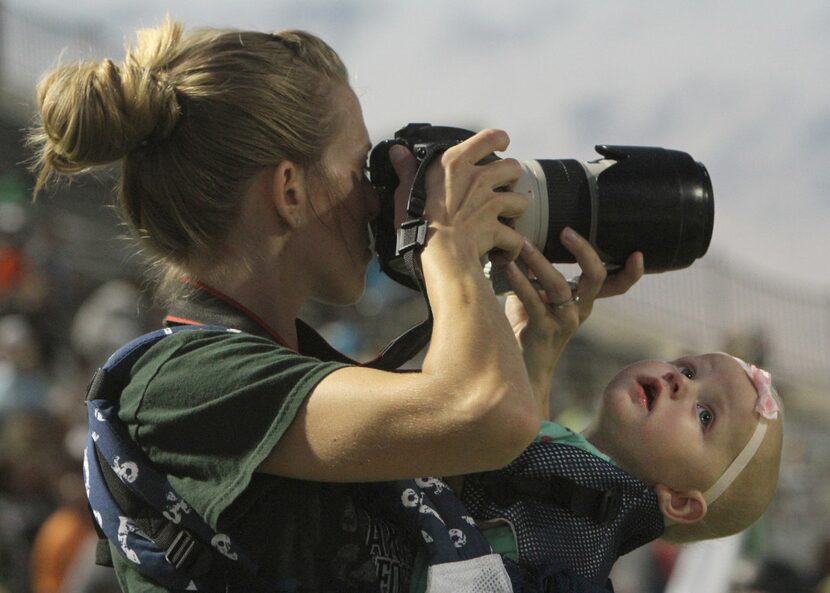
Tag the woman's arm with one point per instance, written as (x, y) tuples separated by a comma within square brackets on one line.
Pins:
[(472, 406)]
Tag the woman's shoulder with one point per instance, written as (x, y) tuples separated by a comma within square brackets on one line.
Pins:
[(216, 347), (227, 370)]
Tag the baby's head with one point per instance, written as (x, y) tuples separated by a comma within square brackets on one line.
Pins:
[(704, 431)]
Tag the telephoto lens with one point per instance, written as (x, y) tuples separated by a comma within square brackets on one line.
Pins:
[(635, 198)]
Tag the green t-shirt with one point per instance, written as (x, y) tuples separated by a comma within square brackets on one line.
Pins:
[(208, 407), (500, 536)]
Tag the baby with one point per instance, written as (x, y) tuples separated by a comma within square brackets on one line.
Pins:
[(704, 431), (688, 449)]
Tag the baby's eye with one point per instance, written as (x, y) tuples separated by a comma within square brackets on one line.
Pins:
[(688, 372), (705, 416)]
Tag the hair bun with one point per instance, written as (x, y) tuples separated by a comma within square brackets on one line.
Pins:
[(96, 113)]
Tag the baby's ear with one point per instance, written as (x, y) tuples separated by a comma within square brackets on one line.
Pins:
[(680, 507)]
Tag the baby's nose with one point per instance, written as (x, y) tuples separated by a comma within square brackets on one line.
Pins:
[(677, 383)]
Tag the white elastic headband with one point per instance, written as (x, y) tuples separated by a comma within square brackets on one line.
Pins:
[(767, 407)]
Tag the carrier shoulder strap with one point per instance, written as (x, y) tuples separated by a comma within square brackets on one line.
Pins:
[(601, 505), (458, 555), (133, 505)]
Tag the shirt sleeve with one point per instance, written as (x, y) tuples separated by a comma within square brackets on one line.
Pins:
[(209, 407)]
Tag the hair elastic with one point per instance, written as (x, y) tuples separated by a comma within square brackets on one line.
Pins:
[(767, 408)]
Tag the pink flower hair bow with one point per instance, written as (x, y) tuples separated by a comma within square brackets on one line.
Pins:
[(767, 404)]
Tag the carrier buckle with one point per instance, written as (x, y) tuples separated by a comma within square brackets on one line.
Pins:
[(180, 553)]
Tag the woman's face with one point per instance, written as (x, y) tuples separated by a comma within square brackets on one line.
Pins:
[(342, 203)]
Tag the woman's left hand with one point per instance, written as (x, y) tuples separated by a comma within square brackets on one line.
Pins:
[(544, 319)]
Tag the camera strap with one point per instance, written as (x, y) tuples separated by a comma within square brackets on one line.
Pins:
[(411, 239)]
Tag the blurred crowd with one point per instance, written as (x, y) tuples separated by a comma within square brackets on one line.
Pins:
[(57, 324)]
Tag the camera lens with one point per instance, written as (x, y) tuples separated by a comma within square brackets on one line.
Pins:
[(653, 200), (635, 198)]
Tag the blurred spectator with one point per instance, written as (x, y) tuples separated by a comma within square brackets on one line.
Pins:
[(57, 544), (63, 552), (106, 320), (776, 576), (33, 463), (22, 287), (707, 566), (84, 576), (23, 383), (12, 269), (14, 264), (823, 568)]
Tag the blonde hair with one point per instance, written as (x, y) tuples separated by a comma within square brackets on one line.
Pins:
[(191, 118), (744, 501)]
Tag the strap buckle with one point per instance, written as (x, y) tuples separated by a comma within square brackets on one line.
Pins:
[(412, 236), (180, 553)]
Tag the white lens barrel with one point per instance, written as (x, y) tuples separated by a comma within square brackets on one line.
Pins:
[(533, 224)]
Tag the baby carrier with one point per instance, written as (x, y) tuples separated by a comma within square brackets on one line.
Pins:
[(138, 513), (134, 506), (572, 513)]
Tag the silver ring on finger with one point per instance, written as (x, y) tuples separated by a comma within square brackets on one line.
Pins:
[(571, 301), (573, 283)]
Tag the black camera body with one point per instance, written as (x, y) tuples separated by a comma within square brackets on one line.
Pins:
[(634, 198)]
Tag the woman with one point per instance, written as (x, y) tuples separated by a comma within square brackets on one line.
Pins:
[(243, 159)]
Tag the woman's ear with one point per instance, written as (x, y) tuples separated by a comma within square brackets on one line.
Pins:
[(681, 507), (288, 193)]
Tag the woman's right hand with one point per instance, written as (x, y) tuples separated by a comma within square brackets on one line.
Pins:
[(465, 200)]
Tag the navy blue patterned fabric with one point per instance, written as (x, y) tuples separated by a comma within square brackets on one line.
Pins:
[(429, 508), (109, 442)]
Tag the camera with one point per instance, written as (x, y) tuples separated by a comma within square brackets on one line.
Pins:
[(633, 198)]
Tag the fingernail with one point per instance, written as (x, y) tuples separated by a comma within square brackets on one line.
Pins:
[(527, 247), (568, 234)]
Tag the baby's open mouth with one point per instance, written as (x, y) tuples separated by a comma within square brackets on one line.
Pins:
[(649, 396), (651, 390)]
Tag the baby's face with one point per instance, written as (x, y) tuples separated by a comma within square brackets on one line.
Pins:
[(678, 423)]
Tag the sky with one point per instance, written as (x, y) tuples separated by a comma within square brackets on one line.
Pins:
[(744, 87)]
